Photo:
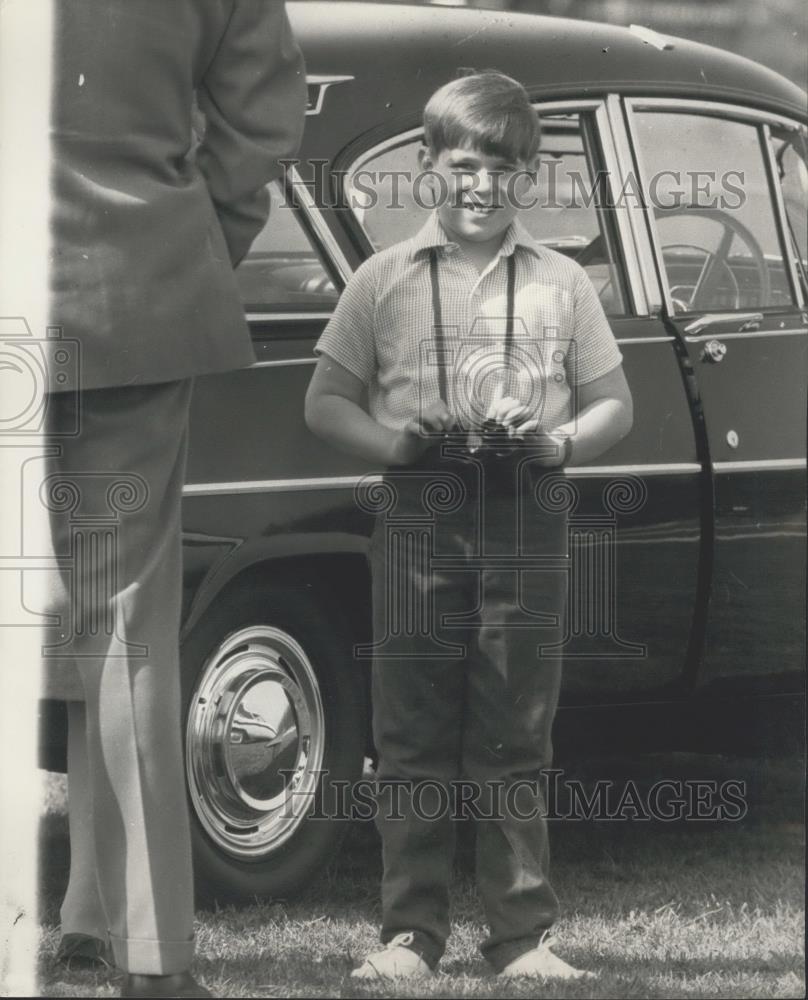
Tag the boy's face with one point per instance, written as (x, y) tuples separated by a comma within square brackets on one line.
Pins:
[(478, 194)]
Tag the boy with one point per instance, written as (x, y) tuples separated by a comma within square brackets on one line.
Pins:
[(474, 284)]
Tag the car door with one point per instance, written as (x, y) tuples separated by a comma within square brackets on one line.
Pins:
[(635, 513), (731, 261)]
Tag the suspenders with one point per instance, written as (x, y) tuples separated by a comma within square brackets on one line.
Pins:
[(437, 317)]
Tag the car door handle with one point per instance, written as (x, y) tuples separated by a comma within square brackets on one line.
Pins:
[(745, 321), (714, 351)]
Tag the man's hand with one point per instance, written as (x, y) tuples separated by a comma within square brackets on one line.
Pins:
[(416, 437)]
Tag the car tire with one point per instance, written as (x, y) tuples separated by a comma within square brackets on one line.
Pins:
[(268, 686)]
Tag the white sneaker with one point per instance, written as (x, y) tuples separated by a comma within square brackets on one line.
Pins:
[(395, 961), (541, 963)]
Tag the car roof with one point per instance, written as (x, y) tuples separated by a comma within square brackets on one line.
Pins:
[(398, 54)]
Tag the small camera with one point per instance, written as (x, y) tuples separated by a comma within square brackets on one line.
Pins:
[(496, 442), (498, 453)]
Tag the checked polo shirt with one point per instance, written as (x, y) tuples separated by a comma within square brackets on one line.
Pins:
[(382, 330)]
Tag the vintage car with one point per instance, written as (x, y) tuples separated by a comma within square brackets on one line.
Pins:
[(675, 174)]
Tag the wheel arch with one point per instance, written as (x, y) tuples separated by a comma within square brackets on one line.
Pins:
[(334, 565)]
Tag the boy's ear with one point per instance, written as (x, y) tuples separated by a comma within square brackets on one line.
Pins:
[(426, 160)]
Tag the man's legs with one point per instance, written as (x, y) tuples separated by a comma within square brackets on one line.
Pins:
[(82, 910), (130, 454)]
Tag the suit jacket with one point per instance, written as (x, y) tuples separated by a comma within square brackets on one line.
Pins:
[(147, 220)]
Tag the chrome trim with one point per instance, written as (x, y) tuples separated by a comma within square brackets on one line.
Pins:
[(661, 469), (623, 138), (710, 107), (323, 82), (746, 319), (616, 178), (286, 317), (651, 37), (787, 245), (278, 485), (553, 107), (283, 363), (799, 331), (645, 340), (784, 464), (318, 224), (350, 482), (649, 226), (400, 139)]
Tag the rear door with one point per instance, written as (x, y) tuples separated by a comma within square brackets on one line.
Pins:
[(732, 269)]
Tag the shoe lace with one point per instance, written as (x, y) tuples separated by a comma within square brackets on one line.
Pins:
[(402, 940), (546, 940)]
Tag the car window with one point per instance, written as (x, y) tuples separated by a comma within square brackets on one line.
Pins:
[(284, 272), (706, 183), (565, 212), (791, 156)]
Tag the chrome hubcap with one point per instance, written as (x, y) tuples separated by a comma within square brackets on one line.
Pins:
[(254, 741)]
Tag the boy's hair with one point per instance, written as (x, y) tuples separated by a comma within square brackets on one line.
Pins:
[(488, 111)]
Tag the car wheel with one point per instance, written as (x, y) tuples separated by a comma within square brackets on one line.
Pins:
[(274, 716)]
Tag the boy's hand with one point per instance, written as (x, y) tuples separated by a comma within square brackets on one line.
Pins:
[(548, 446), (509, 412), (414, 439)]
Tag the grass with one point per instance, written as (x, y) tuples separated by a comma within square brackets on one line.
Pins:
[(656, 909)]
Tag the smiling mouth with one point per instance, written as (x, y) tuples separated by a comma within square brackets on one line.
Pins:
[(477, 209)]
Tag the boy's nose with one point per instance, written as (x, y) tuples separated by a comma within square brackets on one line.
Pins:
[(484, 181)]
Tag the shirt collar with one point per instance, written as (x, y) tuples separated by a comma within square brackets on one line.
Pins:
[(432, 234)]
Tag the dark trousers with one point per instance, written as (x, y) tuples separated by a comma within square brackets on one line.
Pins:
[(480, 715)]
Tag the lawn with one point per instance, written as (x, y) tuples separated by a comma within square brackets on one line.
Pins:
[(656, 909)]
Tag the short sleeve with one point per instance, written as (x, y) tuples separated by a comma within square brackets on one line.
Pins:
[(594, 350), (349, 337)]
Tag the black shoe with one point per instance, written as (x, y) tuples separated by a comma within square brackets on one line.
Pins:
[(182, 984), (83, 951)]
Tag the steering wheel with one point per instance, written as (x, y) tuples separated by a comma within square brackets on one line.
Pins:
[(717, 261), (682, 296)]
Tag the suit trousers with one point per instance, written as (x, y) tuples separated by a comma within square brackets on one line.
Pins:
[(465, 687), (114, 492)]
